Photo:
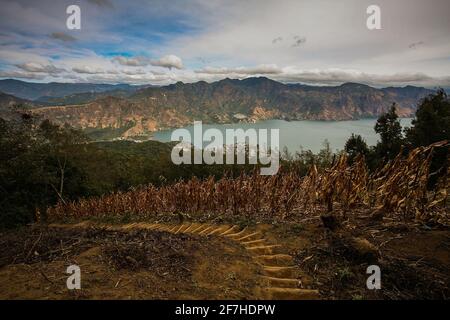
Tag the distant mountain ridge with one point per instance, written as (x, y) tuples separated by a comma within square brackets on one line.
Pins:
[(34, 91), (140, 110)]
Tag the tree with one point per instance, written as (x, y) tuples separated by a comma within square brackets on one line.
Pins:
[(57, 142), (432, 124), (356, 145), (432, 121), (390, 131), (35, 168)]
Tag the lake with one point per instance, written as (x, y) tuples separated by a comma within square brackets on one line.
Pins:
[(307, 134)]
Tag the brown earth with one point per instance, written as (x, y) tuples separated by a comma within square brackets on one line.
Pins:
[(118, 265), (414, 258), (202, 261)]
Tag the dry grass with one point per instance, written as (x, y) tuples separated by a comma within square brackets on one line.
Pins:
[(397, 189)]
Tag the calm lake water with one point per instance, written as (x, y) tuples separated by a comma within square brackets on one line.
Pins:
[(307, 134)]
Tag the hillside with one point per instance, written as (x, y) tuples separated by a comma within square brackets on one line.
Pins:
[(127, 112), (207, 239), (9, 104), (261, 98)]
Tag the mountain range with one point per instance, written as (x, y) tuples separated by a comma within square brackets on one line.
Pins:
[(125, 110), (43, 91)]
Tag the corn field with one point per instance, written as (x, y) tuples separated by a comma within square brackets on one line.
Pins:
[(397, 189)]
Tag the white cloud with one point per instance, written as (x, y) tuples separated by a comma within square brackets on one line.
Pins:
[(339, 76), (332, 76), (315, 42), (330, 34), (87, 70), (132, 62), (169, 61), (21, 75), (40, 68), (261, 69), (97, 69)]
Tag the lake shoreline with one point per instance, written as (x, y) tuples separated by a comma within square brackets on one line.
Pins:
[(301, 134)]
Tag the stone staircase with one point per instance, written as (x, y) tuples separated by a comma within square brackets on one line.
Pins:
[(279, 278)]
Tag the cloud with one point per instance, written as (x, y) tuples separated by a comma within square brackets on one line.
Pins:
[(21, 75), (132, 62), (62, 36), (323, 77), (241, 38), (106, 72), (339, 76), (131, 79), (87, 70), (243, 32), (134, 71), (169, 61), (39, 68), (261, 69), (93, 70)]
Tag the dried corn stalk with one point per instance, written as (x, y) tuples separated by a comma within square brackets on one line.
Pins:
[(398, 188)]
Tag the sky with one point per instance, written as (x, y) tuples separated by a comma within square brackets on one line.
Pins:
[(319, 42)]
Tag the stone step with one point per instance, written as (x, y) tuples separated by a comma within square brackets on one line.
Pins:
[(207, 229), (261, 250), (232, 229), (280, 272), (281, 282), (218, 230), (237, 234), (172, 228), (151, 226), (165, 228), (192, 227), (200, 228), (254, 243), (248, 237), (183, 227)]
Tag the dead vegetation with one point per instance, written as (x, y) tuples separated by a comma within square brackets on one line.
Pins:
[(132, 264), (161, 253), (133, 251), (398, 189), (34, 245), (413, 259)]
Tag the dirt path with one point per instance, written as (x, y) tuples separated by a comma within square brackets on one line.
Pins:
[(278, 277)]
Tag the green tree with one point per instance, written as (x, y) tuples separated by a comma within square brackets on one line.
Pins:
[(390, 131), (35, 169), (432, 124), (432, 121), (57, 144), (356, 145)]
